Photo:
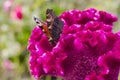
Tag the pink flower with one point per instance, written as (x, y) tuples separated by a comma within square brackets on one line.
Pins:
[(17, 13), (86, 50), (7, 5), (8, 65)]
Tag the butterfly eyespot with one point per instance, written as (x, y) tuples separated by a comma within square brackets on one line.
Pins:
[(52, 27)]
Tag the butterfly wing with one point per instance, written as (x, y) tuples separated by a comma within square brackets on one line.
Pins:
[(55, 25), (56, 29)]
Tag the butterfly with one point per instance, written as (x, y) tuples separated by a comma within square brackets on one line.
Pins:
[(52, 27)]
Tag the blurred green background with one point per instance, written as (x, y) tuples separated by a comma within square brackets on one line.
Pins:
[(16, 23)]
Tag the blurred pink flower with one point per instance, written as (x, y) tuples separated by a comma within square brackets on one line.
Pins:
[(7, 5), (17, 13), (86, 50), (8, 65)]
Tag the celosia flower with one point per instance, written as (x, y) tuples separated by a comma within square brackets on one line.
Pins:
[(86, 50)]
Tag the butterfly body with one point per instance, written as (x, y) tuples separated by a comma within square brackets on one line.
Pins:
[(43, 26), (52, 27)]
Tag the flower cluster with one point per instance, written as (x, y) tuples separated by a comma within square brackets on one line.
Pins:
[(86, 50)]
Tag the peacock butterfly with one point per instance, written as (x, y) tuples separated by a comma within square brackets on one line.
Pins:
[(52, 27)]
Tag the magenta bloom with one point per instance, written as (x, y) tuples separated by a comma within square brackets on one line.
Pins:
[(18, 12), (86, 50)]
